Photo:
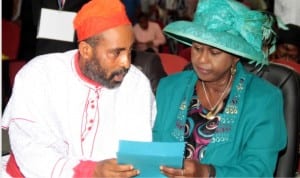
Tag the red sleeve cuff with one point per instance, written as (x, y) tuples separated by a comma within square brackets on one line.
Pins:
[(84, 169)]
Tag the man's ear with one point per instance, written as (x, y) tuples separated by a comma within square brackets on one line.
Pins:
[(85, 50)]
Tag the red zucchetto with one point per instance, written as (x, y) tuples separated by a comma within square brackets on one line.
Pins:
[(99, 15)]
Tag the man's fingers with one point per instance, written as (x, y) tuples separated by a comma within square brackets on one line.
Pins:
[(111, 168), (131, 173), (122, 168)]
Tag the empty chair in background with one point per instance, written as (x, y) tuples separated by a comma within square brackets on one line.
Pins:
[(186, 53), (172, 63), (10, 48), (151, 65), (10, 39)]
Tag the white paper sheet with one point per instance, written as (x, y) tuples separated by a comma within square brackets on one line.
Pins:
[(56, 25)]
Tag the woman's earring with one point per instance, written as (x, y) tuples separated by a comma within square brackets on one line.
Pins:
[(233, 69)]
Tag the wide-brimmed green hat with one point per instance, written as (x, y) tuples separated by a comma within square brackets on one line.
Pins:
[(229, 26)]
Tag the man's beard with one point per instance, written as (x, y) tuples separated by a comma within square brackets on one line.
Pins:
[(97, 73)]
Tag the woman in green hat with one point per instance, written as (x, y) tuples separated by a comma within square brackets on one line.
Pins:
[(231, 120)]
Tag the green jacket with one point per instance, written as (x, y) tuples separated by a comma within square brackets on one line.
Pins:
[(251, 131)]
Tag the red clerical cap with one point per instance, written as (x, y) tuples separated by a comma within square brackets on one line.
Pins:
[(97, 16)]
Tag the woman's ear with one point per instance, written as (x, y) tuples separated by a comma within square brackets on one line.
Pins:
[(235, 60), (85, 50)]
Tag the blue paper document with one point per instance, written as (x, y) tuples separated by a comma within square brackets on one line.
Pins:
[(149, 156)]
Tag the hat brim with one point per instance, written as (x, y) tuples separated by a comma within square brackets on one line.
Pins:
[(187, 32)]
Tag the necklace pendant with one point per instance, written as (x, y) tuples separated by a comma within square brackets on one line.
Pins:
[(210, 115)]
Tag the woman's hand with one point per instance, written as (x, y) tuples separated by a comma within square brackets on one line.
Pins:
[(111, 168), (192, 168)]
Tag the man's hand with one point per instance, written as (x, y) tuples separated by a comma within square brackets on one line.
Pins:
[(111, 168)]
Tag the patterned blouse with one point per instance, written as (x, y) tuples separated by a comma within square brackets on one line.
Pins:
[(198, 130)]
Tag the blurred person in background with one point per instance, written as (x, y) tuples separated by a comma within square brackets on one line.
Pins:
[(288, 47), (148, 34)]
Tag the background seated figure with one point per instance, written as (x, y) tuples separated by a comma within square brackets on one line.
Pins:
[(148, 34), (288, 47)]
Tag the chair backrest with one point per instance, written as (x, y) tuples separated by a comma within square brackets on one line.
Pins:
[(289, 82), (10, 39), (13, 67), (150, 64), (172, 63), (186, 53)]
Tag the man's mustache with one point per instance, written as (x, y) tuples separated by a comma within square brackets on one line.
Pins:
[(122, 71)]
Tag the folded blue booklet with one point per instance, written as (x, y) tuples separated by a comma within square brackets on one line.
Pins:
[(147, 157)]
